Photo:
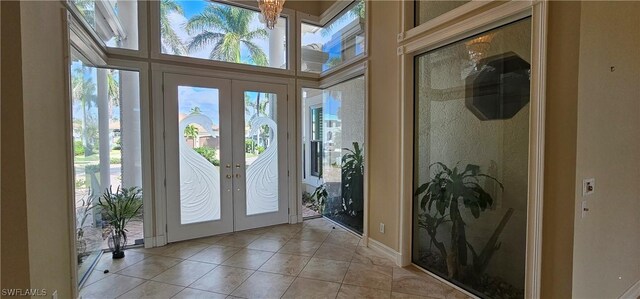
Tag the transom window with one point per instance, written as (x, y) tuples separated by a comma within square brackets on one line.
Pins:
[(216, 31), (342, 39), (114, 22)]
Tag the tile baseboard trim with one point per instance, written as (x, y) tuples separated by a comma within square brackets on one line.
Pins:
[(633, 292), (385, 250)]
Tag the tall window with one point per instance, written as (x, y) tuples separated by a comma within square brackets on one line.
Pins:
[(316, 141), (342, 39), (114, 22), (471, 161), (222, 32), (107, 151), (335, 118)]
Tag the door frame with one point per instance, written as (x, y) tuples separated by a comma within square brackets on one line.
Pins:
[(172, 157), (157, 73)]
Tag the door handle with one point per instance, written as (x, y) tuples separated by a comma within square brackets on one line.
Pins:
[(228, 176), (237, 165), (228, 166), (237, 175)]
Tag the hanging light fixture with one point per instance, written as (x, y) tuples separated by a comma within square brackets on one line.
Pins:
[(271, 11)]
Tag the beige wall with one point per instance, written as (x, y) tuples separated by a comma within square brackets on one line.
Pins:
[(560, 148), (15, 270), (384, 123), (38, 241), (606, 259)]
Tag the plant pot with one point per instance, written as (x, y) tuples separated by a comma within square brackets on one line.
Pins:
[(117, 254), (117, 242)]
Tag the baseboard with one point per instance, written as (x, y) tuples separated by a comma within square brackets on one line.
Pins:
[(385, 250), (633, 292)]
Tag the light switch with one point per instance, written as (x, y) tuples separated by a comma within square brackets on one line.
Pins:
[(588, 186)]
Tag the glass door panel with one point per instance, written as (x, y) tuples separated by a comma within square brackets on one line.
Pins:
[(198, 142), (199, 147), (261, 152)]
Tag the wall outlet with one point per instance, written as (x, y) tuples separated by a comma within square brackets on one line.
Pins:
[(381, 227), (585, 208), (588, 186)]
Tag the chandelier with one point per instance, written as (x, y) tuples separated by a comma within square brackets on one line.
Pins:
[(271, 11), (478, 48)]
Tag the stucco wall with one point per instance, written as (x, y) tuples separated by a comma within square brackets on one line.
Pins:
[(606, 259)]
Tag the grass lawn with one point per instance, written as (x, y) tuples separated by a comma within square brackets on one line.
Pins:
[(95, 158)]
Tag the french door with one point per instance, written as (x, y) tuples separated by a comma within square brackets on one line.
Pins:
[(225, 145)]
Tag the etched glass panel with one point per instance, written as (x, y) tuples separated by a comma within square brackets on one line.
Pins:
[(471, 161), (199, 150), (261, 152)]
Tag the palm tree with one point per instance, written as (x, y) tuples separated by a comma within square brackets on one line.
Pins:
[(170, 40), (191, 132), (227, 28), (195, 110), (83, 90)]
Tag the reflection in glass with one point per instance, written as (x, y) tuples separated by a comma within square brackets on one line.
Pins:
[(218, 31), (261, 152), (107, 151), (199, 150), (471, 161), (427, 10), (336, 191), (341, 39), (114, 22)]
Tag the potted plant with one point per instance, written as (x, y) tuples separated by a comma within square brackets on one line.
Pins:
[(118, 209), (353, 180), (449, 190)]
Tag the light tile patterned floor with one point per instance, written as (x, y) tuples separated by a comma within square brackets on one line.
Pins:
[(310, 260)]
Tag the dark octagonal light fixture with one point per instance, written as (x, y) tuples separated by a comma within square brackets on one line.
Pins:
[(500, 88)]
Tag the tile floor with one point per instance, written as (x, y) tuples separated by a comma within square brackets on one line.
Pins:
[(310, 260)]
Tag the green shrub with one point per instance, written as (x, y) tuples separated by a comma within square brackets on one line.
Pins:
[(115, 160), (78, 148), (260, 149), (249, 145), (208, 153)]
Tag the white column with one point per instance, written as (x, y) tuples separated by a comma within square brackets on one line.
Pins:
[(277, 45), (130, 102), (104, 148)]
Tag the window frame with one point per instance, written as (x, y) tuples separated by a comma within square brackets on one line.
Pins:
[(325, 18), (156, 52), (415, 41), (317, 172)]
